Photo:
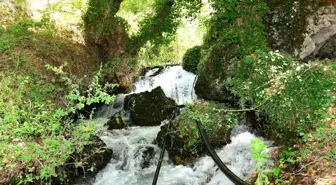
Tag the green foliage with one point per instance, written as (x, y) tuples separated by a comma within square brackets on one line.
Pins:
[(15, 34), (189, 8), (294, 96), (217, 123), (95, 93), (157, 29), (100, 18), (235, 30), (67, 11), (37, 136), (238, 22), (304, 154), (189, 33), (191, 59), (135, 12), (258, 147)]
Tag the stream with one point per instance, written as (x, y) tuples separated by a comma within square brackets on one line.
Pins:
[(135, 156)]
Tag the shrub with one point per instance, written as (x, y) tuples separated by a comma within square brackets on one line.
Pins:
[(294, 96), (185, 140), (36, 137)]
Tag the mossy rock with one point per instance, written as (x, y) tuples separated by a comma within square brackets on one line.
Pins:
[(215, 69), (150, 108), (286, 22), (184, 144), (104, 31), (123, 71), (115, 123), (191, 59), (94, 157)]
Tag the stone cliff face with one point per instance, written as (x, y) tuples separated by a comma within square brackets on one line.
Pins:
[(320, 31), (302, 28)]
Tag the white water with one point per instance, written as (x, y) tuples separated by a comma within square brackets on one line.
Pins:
[(129, 147), (132, 164), (176, 83)]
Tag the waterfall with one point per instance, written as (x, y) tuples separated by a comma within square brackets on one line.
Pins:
[(135, 156), (176, 83)]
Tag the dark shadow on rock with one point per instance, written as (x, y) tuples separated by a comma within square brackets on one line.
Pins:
[(150, 108), (94, 158)]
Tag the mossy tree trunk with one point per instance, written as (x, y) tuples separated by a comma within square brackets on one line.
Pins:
[(105, 33)]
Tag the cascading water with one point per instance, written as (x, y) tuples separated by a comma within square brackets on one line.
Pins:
[(176, 83), (135, 156)]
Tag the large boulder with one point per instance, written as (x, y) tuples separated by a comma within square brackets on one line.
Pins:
[(150, 108), (300, 27), (328, 50), (191, 59), (184, 144), (115, 123), (214, 70)]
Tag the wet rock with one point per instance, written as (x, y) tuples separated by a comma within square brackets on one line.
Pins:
[(115, 123), (184, 144), (147, 154), (150, 108)]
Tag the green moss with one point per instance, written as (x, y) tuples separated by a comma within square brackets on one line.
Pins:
[(191, 59), (185, 141), (236, 30), (291, 22)]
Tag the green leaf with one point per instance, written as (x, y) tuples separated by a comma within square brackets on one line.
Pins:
[(80, 106)]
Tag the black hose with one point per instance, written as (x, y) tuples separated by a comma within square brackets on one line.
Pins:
[(234, 178), (158, 167)]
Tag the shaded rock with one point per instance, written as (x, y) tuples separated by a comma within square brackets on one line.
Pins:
[(115, 123), (320, 29), (150, 108), (300, 27), (184, 144), (191, 59), (122, 71), (94, 158), (147, 154), (215, 69), (328, 50)]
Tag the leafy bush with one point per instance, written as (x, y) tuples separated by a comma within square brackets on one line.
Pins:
[(37, 137), (294, 96), (191, 59), (258, 148), (235, 30), (185, 139), (14, 34)]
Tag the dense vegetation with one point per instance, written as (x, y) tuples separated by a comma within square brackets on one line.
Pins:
[(58, 61)]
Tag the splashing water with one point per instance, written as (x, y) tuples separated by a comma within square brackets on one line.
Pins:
[(135, 156), (175, 82)]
